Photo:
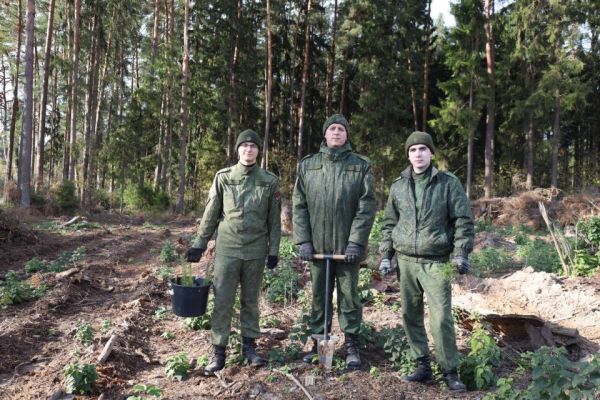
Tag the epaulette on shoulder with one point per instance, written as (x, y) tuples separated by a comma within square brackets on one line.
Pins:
[(308, 156), (450, 174), (364, 158), (221, 171), (272, 174), (398, 178)]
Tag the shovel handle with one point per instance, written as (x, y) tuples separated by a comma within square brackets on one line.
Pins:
[(335, 257)]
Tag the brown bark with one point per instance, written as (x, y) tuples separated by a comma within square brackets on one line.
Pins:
[(426, 67), (26, 134), (269, 94), (184, 110), (74, 79), (329, 93), (231, 103), (44, 100), (304, 83), (15, 105), (413, 96), (91, 97), (155, 28), (4, 105), (491, 103), (555, 145)]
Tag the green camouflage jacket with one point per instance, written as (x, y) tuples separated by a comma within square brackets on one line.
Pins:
[(243, 206), (334, 200), (443, 227)]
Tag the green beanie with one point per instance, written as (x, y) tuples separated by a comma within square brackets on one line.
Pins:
[(336, 119), (419, 138), (248, 136)]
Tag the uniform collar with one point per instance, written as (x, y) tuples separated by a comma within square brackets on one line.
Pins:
[(407, 173), (335, 154), (241, 169)]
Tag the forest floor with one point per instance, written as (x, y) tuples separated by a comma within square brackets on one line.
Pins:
[(117, 281)]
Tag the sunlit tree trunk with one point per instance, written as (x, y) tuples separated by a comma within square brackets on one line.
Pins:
[(15, 105), (304, 83), (184, 110), (491, 103), (426, 53), (331, 69), (26, 142), (74, 78), (269, 94)]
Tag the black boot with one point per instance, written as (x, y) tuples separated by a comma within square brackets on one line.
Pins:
[(352, 352), (218, 360), (249, 351), (422, 373), (453, 383), (310, 356)]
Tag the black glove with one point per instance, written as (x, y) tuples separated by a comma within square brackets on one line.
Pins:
[(353, 253), (462, 264), (306, 251), (194, 254), (272, 262)]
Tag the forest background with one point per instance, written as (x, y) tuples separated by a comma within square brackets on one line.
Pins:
[(136, 104)]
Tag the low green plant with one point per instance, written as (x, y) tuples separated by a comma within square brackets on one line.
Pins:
[(168, 335), (281, 284), (15, 291), (53, 332), (287, 248), (177, 366), (202, 361), (105, 326), (338, 364), (165, 272), (272, 378), (79, 378), (301, 329), (34, 265), (476, 369), (365, 279), (66, 259), (540, 255), (394, 343), (374, 372), (491, 260), (584, 263), (168, 254), (187, 277), (65, 195), (142, 391), (84, 333), (270, 321), (161, 313)]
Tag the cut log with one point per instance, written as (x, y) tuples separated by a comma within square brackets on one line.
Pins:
[(107, 349), (71, 221)]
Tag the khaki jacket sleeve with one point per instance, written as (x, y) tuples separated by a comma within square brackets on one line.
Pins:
[(390, 220), (461, 218), (274, 219), (212, 215), (365, 214), (301, 217)]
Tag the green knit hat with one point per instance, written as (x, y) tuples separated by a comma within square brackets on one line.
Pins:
[(419, 138), (336, 119), (248, 136)]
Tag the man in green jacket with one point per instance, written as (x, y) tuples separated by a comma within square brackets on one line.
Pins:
[(333, 212), (243, 207), (427, 222)]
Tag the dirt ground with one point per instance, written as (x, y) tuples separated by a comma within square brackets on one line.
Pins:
[(116, 281)]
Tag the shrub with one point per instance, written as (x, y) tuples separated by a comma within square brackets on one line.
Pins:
[(281, 283), (84, 333), (540, 255), (15, 291), (394, 343), (476, 369), (491, 260), (80, 378), (177, 366), (141, 391), (34, 265), (66, 196), (143, 197), (168, 254)]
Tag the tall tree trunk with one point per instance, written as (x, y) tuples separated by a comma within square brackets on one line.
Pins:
[(555, 146), (269, 94), (304, 83), (155, 28), (54, 126), (471, 139), (26, 142), (491, 103), (329, 93), (184, 110), (44, 100), (231, 100), (4, 106), (161, 141), (530, 152), (426, 67), (74, 78), (413, 95), (15, 105), (92, 97)]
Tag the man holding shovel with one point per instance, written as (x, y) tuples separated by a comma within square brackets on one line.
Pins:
[(427, 222), (243, 207), (333, 212)]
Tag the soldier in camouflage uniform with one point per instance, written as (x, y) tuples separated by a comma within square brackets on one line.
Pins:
[(333, 212), (427, 222), (243, 207)]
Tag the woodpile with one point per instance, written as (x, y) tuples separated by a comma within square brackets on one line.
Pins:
[(12, 231)]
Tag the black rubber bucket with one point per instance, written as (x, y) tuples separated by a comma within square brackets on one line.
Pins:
[(189, 301)]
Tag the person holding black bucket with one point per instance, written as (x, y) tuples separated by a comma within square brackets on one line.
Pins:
[(333, 212), (427, 222), (243, 207)]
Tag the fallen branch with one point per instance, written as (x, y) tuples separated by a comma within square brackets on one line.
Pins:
[(107, 349), (296, 381), (71, 221), (222, 380)]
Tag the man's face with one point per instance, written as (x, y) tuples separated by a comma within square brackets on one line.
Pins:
[(248, 153), (336, 135), (419, 156)]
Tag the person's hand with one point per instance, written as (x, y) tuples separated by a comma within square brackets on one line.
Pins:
[(272, 261), (461, 263), (352, 253), (385, 266), (194, 254), (306, 251)]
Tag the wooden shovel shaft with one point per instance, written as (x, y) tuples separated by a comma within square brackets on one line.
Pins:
[(335, 257)]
